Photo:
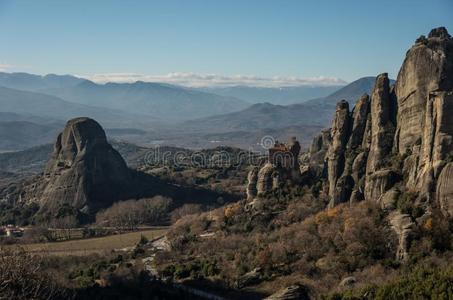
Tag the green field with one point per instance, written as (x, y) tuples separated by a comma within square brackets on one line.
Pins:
[(94, 245)]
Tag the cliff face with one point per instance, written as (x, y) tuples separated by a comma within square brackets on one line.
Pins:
[(84, 172), (398, 140), (424, 91)]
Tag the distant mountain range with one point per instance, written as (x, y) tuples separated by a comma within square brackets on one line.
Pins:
[(315, 112), (168, 102), (37, 83), (278, 95), (36, 107), (46, 107)]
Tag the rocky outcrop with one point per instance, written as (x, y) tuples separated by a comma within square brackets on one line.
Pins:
[(398, 140), (426, 68), (317, 153), (343, 189), (348, 281), (382, 126), (252, 180), (389, 199), (249, 278), (423, 89), (408, 122), (437, 141), (359, 117), (294, 292), (85, 172), (403, 227), (444, 193), (265, 179), (378, 183), (336, 153), (282, 165)]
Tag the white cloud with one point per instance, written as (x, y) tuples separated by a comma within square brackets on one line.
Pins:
[(215, 80), (4, 67)]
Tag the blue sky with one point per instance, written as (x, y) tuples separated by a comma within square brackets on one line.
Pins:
[(297, 39)]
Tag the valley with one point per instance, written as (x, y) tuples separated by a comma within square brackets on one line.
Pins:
[(192, 150)]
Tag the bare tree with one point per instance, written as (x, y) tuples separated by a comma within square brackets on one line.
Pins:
[(132, 213), (22, 277)]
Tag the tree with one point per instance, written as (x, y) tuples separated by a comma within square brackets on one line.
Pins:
[(130, 214), (22, 277)]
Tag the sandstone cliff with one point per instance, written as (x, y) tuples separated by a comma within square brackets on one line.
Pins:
[(401, 137), (399, 140)]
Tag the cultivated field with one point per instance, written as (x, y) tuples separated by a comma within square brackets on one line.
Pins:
[(94, 245)]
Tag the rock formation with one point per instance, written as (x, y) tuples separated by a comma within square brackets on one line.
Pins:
[(424, 92), (293, 292), (336, 153), (402, 225), (444, 192), (398, 132), (398, 140), (317, 153), (252, 180), (85, 172), (282, 165), (265, 180), (382, 127)]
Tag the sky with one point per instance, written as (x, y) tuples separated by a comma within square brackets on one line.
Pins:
[(256, 42)]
